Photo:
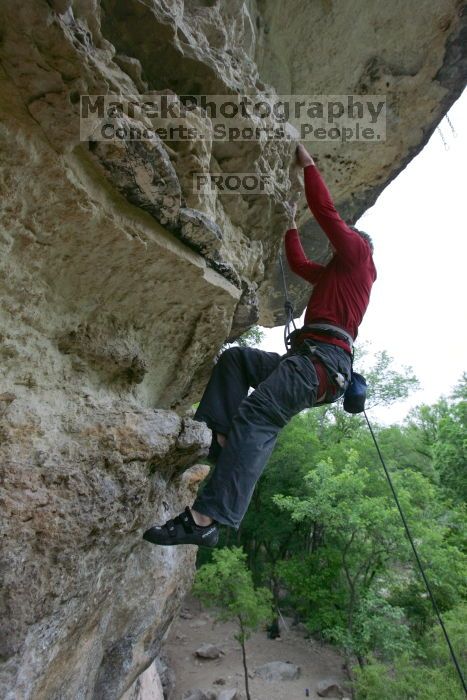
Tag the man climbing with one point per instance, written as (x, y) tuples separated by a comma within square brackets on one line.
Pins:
[(316, 371)]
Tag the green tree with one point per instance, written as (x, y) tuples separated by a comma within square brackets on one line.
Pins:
[(226, 584), (363, 549), (362, 535), (424, 673), (251, 338), (450, 446), (386, 384)]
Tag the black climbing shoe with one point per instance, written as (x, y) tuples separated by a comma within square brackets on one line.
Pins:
[(183, 530)]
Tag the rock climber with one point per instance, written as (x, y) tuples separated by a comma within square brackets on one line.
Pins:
[(316, 370)]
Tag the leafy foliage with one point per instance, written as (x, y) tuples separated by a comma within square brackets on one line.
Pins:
[(252, 337), (425, 673), (227, 585), (385, 384)]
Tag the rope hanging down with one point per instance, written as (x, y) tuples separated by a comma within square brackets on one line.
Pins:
[(288, 308), (453, 131), (420, 566)]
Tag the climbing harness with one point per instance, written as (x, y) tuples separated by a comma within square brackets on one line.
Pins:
[(291, 338), (417, 558), (329, 329), (354, 399)]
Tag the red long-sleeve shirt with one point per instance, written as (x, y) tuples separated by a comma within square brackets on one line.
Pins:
[(341, 289)]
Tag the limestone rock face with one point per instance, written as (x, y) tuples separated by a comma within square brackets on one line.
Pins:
[(85, 597), (119, 283), (146, 687)]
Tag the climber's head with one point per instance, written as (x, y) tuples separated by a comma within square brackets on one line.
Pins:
[(365, 237)]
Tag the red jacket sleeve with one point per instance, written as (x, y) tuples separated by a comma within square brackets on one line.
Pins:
[(348, 244), (298, 262)]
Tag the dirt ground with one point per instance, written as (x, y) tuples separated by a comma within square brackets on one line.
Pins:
[(196, 626)]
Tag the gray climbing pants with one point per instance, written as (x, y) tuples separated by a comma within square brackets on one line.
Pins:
[(283, 386)]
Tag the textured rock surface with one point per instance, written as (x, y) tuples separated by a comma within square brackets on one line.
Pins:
[(85, 597), (329, 688), (208, 651), (198, 694), (228, 694), (278, 671), (119, 284), (146, 687)]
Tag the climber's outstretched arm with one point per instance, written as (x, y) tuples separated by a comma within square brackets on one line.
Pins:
[(346, 242)]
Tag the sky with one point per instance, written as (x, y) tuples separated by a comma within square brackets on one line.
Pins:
[(417, 311)]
